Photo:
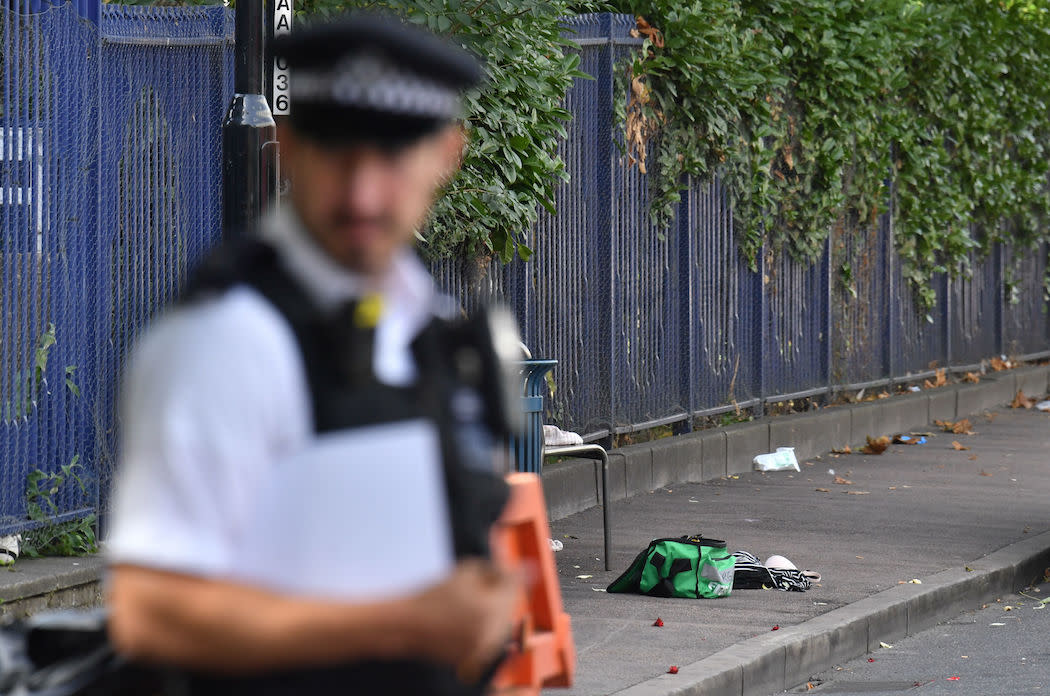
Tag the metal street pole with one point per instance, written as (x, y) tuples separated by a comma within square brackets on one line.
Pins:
[(249, 163)]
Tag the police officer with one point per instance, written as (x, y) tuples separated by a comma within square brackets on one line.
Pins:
[(320, 323)]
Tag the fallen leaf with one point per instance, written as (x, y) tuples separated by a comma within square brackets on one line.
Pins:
[(673, 669), (822, 490), (956, 445), (973, 458), (659, 622), (877, 445), (972, 377), (842, 481), (858, 492), (939, 380), (962, 427), (844, 450), (998, 364), (984, 473), (1021, 401), (810, 686)]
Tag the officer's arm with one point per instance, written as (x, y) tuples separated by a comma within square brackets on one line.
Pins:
[(162, 617)]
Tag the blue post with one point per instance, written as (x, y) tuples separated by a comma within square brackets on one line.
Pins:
[(527, 451)]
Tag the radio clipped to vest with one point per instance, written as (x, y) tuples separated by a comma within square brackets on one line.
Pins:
[(483, 351)]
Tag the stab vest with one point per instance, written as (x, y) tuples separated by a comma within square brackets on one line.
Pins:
[(456, 394)]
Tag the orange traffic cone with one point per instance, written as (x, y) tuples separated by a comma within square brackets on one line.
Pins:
[(545, 655)]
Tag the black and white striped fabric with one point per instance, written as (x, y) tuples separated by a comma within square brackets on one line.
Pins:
[(750, 574)]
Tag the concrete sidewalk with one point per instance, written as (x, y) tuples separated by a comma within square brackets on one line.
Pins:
[(970, 524)]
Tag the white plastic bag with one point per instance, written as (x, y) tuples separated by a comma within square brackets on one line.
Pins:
[(781, 460)]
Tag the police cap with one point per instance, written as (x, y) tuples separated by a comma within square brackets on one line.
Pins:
[(371, 77)]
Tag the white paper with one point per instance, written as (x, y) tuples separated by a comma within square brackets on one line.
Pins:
[(361, 514)]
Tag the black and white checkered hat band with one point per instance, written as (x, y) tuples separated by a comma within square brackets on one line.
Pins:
[(369, 81)]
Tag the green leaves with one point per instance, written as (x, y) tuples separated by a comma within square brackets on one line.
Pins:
[(515, 120), (51, 537), (28, 384), (813, 113)]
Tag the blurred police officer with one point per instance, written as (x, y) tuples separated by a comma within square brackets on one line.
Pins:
[(321, 321)]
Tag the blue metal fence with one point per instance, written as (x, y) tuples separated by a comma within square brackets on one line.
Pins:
[(49, 189), (110, 191), (166, 80), (656, 326)]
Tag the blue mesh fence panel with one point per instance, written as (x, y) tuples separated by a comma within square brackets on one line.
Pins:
[(647, 299), (48, 195), (723, 301), (110, 190), (1026, 324), (795, 349), (860, 301), (973, 303), (569, 284), (167, 79), (920, 338)]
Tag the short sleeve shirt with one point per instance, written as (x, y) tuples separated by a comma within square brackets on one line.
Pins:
[(215, 395)]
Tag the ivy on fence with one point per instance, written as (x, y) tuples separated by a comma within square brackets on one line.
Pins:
[(812, 110)]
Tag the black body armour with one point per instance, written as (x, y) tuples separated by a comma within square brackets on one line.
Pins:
[(456, 389)]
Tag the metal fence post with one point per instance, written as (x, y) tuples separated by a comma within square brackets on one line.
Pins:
[(606, 218), (763, 331), (688, 367), (948, 308), (829, 322), (892, 332), (1000, 298)]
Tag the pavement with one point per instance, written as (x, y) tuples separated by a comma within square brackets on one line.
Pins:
[(914, 536), (903, 540)]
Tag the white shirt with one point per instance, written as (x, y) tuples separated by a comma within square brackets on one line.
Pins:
[(216, 394)]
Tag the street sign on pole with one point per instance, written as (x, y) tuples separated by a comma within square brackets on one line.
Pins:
[(282, 24)]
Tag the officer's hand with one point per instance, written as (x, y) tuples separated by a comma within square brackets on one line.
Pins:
[(472, 614)]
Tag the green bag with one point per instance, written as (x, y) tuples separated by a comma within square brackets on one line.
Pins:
[(689, 566)]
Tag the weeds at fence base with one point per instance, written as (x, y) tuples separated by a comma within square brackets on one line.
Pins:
[(52, 537)]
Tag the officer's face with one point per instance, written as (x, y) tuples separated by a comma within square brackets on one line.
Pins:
[(362, 203)]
